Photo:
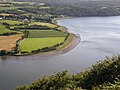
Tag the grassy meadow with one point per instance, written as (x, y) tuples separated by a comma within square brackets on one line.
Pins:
[(8, 8), (30, 44), (45, 33), (3, 29), (11, 22), (38, 39), (45, 24)]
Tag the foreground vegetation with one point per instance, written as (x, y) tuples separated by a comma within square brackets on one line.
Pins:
[(104, 75)]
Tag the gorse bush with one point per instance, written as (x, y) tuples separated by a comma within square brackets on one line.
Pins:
[(108, 86), (60, 81), (103, 75), (103, 72)]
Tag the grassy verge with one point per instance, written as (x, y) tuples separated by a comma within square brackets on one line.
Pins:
[(67, 42)]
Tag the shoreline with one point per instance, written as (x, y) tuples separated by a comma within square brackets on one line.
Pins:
[(75, 41), (72, 44)]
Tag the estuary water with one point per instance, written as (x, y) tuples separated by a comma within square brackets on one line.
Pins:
[(100, 37)]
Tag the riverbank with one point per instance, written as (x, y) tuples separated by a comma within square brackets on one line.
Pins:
[(66, 47), (71, 42), (71, 45)]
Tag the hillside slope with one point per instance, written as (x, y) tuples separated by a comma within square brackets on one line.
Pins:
[(83, 3)]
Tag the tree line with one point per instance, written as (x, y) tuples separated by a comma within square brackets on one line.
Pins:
[(80, 11), (76, 11)]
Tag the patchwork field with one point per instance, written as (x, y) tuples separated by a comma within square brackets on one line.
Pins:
[(30, 44), (45, 33), (21, 19), (37, 39), (9, 42)]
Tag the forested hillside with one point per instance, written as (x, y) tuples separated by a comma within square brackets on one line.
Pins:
[(78, 7), (83, 3)]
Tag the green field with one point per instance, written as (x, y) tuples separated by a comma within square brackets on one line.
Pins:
[(4, 5), (30, 44), (3, 30), (11, 22), (45, 33), (22, 2), (8, 8), (45, 24)]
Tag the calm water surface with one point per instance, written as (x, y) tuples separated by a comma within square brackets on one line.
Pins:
[(100, 37)]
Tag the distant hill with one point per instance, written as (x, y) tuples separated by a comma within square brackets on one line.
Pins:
[(83, 3)]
